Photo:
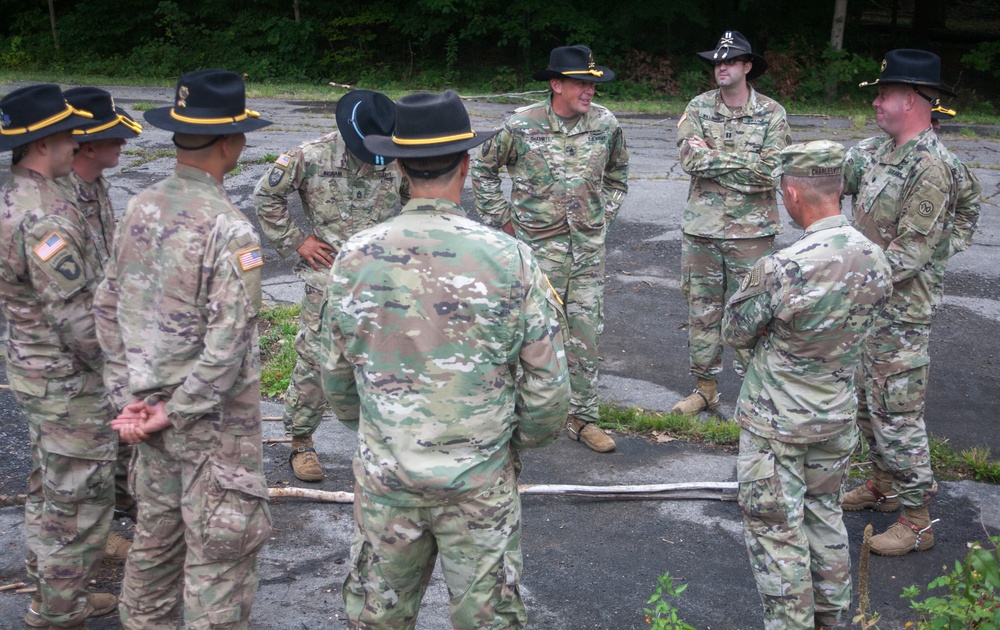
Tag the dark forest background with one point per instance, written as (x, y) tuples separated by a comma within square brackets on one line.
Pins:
[(495, 45)]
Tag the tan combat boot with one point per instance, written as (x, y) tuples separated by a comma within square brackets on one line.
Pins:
[(97, 604), (590, 434), (116, 549), (874, 494), (912, 532), (704, 397), (305, 462)]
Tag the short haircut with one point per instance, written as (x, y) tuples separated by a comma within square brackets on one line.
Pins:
[(18, 153), (430, 168), (815, 189)]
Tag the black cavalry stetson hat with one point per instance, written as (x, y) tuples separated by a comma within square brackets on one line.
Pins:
[(429, 125), (732, 44), (37, 111), (574, 62), (910, 67), (363, 113), (109, 122), (208, 102)]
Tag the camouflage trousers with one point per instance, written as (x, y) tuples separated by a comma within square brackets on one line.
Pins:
[(579, 282), (711, 270), (70, 504), (790, 495), (394, 551), (891, 395), (203, 517), (304, 399)]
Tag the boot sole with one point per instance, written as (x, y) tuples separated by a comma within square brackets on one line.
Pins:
[(884, 507), (895, 554)]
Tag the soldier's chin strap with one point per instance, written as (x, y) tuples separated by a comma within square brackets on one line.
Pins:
[(930, 99)]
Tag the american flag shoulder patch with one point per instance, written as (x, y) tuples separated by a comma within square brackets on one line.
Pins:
[(283, 159), (48, 248), (250, 259)]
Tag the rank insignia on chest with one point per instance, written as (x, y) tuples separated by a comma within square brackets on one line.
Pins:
[(251, 259), (48, 248)]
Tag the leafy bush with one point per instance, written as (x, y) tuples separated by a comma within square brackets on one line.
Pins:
[(971, 601)]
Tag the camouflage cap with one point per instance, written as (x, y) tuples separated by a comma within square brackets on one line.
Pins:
[(819, 158)]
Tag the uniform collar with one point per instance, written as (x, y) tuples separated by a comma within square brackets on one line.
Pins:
[(747, 110), (827, 223), (440, 206), (898, 154), (556, 123)]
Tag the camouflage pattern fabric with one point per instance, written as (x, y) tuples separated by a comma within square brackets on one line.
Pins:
[(861, 158), (804, 312), (94, 204), (570, 180), (790, 495), (711, 269), (443, 341), (906, 205), (49, 267), (393, 554), (731, 216), (186, 248), (341, 195)]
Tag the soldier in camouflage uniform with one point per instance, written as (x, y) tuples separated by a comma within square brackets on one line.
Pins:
[(48, 272), (177, 318), (100, 148), (344, 189), (444, 351), (804, 313), (906, 204), (729, 141), (568, 159)]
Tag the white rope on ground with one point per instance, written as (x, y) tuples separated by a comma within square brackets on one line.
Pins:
[(718, 490)]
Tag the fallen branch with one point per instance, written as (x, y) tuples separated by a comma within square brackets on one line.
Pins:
[(285, 440), (23, 591), (10, 587), (717, 490)]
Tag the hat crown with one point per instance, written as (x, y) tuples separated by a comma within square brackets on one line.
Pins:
[(98, 102), (574, 62), (819, 158), (907, 65), (430, 119), (27, 106), (210, 94), (732, 42)]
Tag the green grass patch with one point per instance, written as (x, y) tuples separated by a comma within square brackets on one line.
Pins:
[(634, 420), (278, 327)]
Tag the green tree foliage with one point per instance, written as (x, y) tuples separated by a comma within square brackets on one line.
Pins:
[(432, 43)]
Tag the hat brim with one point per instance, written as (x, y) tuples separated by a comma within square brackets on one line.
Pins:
[(354, 142), (119, 131), (69, 123), (904, 81), (759, 63), (384, 145), (161, 119), (545, 75)]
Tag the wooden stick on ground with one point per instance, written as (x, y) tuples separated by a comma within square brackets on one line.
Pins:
[(283, 440), (720, 490), (10, 587), (12, 499)]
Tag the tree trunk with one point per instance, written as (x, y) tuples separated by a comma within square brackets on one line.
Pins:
[(52, 20), (837, 43), (295, 9)]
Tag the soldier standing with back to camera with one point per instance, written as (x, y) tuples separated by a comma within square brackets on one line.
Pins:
[(445, 353), (177, 318), (569, 162), (344, 189), (803, 313), (906, 204), (729, 141), (49, 270)]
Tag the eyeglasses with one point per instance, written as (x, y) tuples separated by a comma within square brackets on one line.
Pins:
[(730, 62)]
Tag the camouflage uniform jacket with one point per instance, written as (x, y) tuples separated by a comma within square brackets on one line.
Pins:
[(569, 182), (732, 193), (94, 203), (805, 311), (861, 157), (341, 195), (906, 205), (428, 318), (49, 269), (177, 311)]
